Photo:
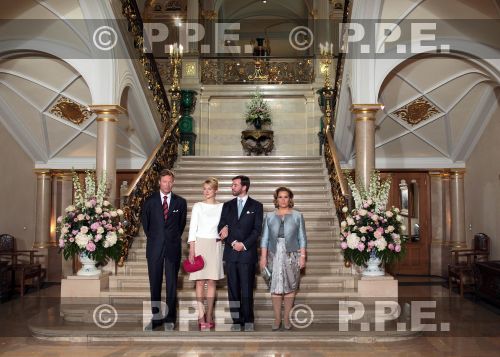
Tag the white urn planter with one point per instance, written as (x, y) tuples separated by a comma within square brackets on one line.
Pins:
[(373, 268), (88, 266)]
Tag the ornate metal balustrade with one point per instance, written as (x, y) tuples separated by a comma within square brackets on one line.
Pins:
[(339, 187), (245, 70), (165, 153)]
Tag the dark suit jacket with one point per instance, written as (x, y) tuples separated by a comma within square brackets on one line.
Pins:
[(246, 229), (163, 238)]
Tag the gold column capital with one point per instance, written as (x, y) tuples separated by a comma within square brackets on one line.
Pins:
[(107, 112), (42, 172), (366, 112), (459, 173)]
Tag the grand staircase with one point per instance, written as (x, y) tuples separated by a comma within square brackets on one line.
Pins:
[(325, 276)]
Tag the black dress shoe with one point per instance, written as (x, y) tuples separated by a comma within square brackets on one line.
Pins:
[(169, 326), (235, 327), (153, 325)]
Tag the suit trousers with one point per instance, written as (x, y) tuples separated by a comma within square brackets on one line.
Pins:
[(156, 269), (240, 284)]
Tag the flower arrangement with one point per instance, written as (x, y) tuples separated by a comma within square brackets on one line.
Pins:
[(370, 229), (91, 226), (258, 111)]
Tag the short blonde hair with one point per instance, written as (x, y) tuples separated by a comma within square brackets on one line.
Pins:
[(212, 182), (290, 196)]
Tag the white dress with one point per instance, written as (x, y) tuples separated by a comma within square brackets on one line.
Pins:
[(203, 231)]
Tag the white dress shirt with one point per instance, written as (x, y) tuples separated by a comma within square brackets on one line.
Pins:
[(169, 196)]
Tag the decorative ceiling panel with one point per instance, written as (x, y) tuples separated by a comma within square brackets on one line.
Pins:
[(416, 111), (74, 112)]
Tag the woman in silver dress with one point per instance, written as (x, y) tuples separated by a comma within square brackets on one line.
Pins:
[(284, 240)]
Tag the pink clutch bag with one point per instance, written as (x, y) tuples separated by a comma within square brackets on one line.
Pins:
[(198, 264)]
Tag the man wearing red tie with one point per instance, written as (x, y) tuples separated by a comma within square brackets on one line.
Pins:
[(163, 219)]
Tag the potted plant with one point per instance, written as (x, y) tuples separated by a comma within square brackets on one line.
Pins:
[(258, 112), (91, 228)]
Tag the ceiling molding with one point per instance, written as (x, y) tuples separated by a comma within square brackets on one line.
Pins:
[(475, 125), (67, 22), (19, 132), (403, 16)]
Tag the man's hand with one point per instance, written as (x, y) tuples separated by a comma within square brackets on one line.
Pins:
[(238, 246), (224, 232)]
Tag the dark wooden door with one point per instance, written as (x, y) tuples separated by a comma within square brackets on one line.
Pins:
[(414, 203)]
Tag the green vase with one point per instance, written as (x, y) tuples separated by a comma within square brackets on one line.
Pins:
[(188, 103)]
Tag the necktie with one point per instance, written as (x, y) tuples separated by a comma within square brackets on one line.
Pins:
[(165, 207), (240, 206)]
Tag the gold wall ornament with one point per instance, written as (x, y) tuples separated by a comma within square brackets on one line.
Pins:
[(416, 111), (210, 15), (66, 108)]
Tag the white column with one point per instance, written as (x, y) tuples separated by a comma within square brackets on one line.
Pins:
[(107, 119), (364, 115), (43, 209)]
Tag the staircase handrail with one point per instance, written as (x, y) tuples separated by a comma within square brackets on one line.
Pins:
[(165, 153)]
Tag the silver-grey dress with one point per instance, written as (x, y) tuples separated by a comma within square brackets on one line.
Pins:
[(284, 266)]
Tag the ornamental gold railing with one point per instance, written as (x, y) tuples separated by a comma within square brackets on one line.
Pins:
[(338, 182), (248, 70), (165, 153), (150, 71)]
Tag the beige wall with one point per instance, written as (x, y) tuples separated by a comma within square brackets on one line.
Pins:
[(17, 191), (482, 187)]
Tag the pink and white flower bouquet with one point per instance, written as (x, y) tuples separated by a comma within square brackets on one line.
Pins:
[(370, 229), (91, 225)]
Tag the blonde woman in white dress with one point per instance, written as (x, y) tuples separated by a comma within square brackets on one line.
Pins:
[(204, 240)]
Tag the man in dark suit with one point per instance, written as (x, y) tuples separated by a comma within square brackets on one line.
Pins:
[(240, 225), (163, 218)]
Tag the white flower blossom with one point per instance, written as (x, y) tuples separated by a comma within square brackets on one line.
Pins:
[(362, 212), (120, 212), (84, 229), (110, 240), (100, 230), (98, 210), (80, 217), (343, 224), (113, 214), (82, 239), (70, 208), (381, 244), (399, 218), (353, 241), (350, 221)]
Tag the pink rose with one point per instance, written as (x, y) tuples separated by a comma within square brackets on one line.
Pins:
[(98, 237), (61, 243), (90, 246), (397, 248), (343, 245), (361, 247), (391, 246), (59, 219), (72, 239), (94, 226)]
